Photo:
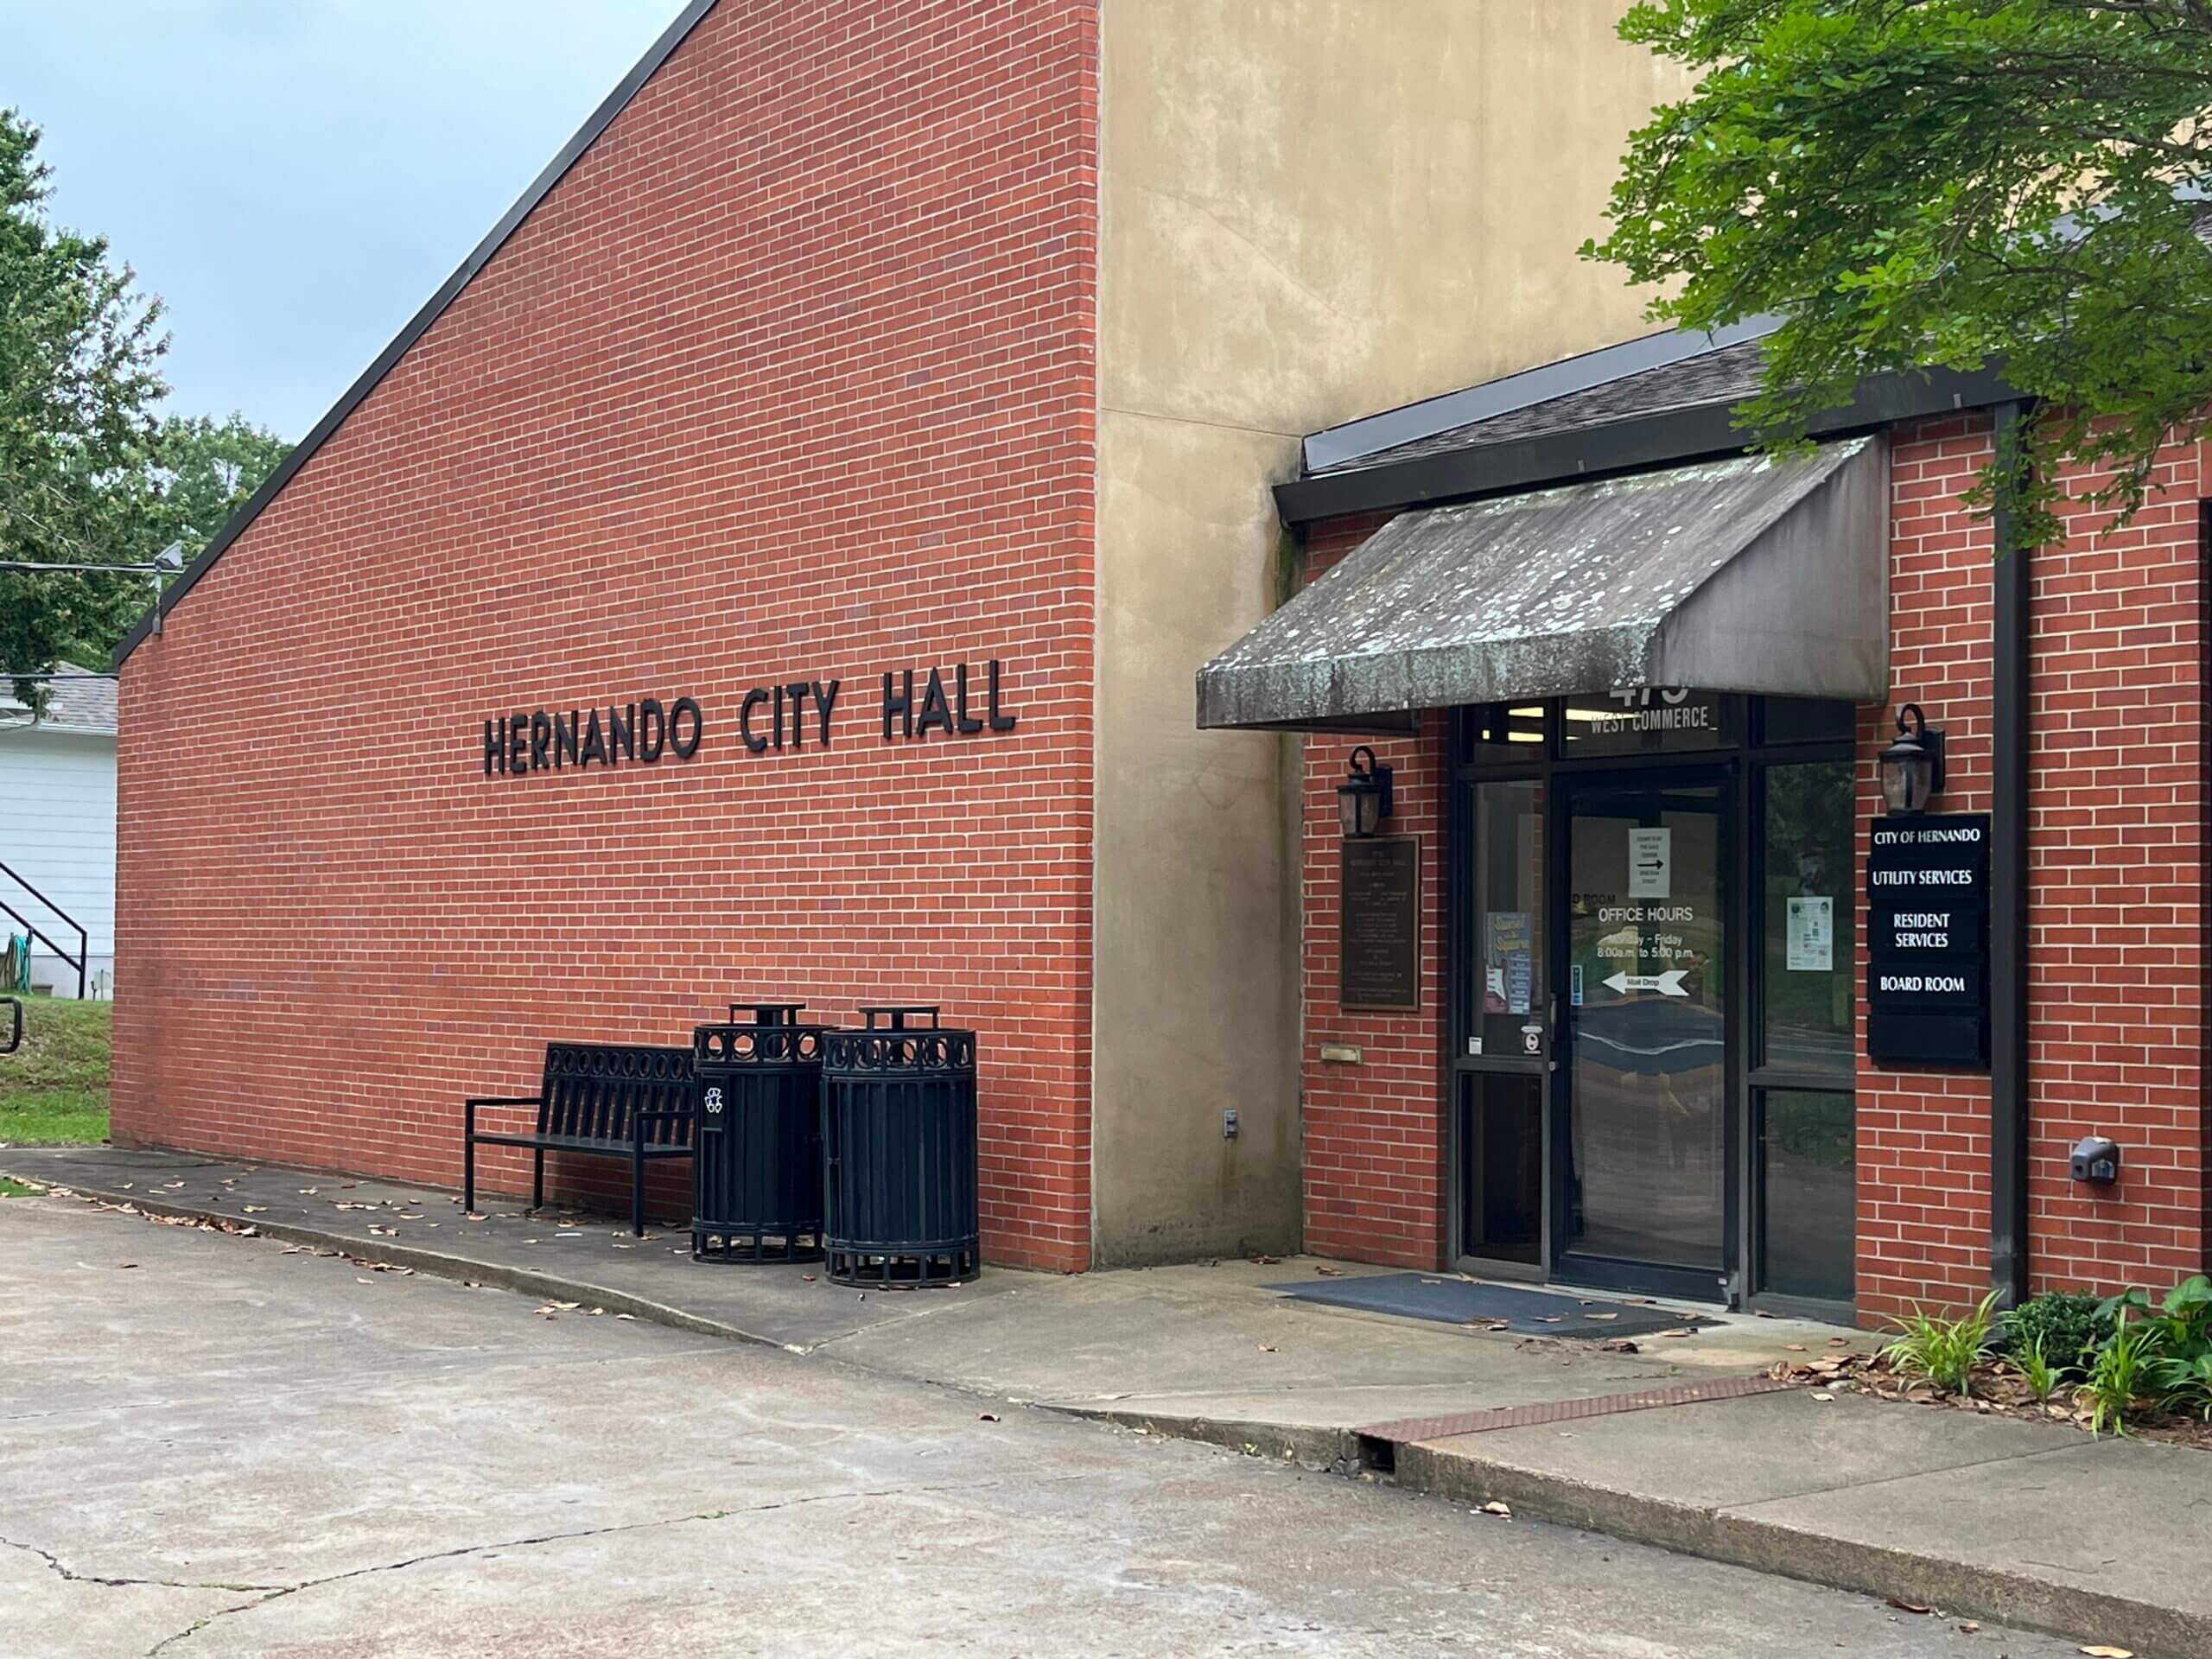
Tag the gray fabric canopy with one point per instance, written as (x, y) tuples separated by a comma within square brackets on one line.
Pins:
[(1742, 575)]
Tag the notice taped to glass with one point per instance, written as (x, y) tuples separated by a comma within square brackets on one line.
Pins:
[(1928, 941), (1379, 940)]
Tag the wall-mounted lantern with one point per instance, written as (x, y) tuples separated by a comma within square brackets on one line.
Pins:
[(1912, 767), (1363, 799)]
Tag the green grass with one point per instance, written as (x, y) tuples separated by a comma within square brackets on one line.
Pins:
[(15, 1189), (53, 1088)]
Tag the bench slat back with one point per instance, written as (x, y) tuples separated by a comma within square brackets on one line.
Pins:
[(591, 1089)]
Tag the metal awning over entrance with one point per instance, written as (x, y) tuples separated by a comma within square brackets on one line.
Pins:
[(1748, 574)]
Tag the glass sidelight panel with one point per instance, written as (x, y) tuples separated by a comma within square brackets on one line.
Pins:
[(1508, 883), (1646, 1025), (1807, 1193), (1501, 1165), (1809, 980)]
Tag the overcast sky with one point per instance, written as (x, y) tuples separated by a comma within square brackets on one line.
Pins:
[(295, 177)]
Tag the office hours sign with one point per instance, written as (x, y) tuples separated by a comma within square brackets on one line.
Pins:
[(1928, 941)]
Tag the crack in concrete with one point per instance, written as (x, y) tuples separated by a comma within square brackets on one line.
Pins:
[(268, 1593), (70, 1574)]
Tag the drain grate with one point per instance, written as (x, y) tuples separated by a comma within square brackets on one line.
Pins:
[(1407, 1430)]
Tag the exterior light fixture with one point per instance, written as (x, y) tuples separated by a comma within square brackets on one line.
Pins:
[(1912, 767), (1363, 799)]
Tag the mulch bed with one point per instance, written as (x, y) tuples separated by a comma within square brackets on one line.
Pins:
[(1997, 1391)]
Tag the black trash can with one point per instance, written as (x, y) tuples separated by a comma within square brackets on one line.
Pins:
[(756, 1155), (898, 1148)]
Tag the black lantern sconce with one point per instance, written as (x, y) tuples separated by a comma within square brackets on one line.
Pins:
[(1363, 799), (1912, 767)]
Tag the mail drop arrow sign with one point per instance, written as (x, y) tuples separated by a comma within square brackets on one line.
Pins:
[(1666, 984)]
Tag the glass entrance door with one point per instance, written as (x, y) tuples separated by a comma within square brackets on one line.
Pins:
[(1644, 1050)]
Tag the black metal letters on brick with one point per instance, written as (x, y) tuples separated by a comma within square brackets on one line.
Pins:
[(640, 732), (770, 717), (1928, 941)]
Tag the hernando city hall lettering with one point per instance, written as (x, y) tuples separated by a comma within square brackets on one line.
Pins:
[(643, 731)]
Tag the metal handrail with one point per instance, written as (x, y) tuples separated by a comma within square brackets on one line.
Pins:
[(83, 939)]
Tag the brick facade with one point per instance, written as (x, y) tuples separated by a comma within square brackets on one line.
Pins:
[(784, 380), (1374, 1131), (1924, 1137), (2118, 860)]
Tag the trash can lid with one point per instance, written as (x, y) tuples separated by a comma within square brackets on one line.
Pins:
[(766, 1013), (895, 1014)]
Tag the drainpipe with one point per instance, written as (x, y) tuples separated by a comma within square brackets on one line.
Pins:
[(2008, 901)]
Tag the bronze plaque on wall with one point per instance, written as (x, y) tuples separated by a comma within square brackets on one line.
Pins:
[(1379, 941)]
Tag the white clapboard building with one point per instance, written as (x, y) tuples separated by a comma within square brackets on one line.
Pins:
[(57, 832)]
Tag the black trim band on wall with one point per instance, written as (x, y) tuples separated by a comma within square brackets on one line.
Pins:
[(2011, 649), (1660, 440), (601, 119)]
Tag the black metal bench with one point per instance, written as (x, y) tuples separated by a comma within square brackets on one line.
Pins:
[(606, 1099)]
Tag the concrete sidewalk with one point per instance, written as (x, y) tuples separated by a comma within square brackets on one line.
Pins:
[(1680, 1444)]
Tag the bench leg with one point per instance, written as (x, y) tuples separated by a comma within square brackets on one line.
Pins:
[(467, 1176), (637, 1192), (538, 1179)]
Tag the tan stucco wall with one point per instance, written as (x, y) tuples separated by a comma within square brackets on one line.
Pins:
[(1311, 210)]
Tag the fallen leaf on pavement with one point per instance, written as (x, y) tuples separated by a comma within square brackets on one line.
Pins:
[(987, 1416), (1267, 1347), (1599, 1316), (1330, 1273), (1794, 1347), (2110, 1653), (1966, 1626), (1617, 1345), (1495, 1508), (1909, 1606), (625, 1316), (1681, 1331), (1824, 1398)]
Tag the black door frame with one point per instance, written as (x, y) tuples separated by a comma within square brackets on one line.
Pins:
[(1741, 758)]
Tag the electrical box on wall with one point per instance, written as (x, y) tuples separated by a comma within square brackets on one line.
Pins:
[(2096, 1162)]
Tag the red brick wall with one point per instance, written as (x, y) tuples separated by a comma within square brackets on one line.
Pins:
[(2116, 855), (2116, 870), (790, 377), (1374, 1131), (1923, 1136)]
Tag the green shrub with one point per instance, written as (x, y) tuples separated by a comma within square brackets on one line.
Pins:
[(1942, 1351), (2065, 1326)]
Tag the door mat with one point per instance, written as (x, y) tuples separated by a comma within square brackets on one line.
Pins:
[(1464, 1301)]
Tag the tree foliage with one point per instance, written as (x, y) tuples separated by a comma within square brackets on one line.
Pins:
[(91, 473), (1923, 183), (77, 389)]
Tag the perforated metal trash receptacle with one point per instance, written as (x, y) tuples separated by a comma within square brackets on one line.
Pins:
[(898, 1148), (757, 1153)]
